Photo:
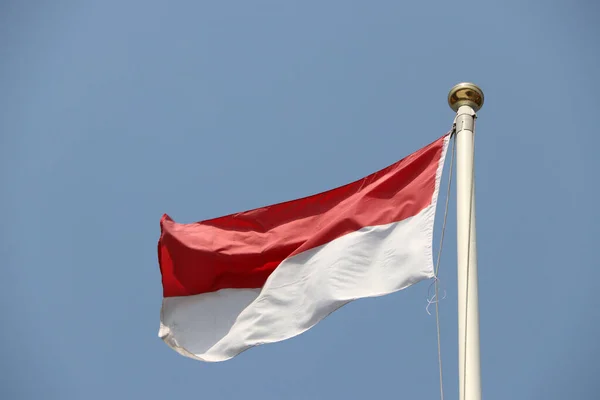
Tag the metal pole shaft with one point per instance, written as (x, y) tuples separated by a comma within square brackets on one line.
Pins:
[(468, 299)]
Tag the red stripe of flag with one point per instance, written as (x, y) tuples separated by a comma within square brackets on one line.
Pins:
[(241, 250)]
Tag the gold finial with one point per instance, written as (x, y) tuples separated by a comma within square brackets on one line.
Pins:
[(465, 94)]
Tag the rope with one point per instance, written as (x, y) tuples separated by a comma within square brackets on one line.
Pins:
[(437, 269)]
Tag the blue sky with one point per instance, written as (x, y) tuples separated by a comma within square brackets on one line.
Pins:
[(115, 112)]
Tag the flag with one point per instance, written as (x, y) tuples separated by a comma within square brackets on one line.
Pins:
[(269, 274)]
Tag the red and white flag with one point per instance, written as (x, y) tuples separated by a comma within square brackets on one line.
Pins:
[(269, 274)]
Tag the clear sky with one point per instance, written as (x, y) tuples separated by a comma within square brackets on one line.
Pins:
[(115, 112)]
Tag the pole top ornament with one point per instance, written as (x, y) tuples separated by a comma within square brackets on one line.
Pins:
[(465, 94)]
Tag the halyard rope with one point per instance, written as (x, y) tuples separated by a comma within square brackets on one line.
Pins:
[(437, 268)]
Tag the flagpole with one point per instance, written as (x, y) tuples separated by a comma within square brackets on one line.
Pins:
[(466, 99)]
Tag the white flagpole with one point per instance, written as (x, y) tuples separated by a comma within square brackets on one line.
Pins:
[(466, 99)]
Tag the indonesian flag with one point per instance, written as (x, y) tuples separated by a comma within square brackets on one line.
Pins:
[(269, 274)]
